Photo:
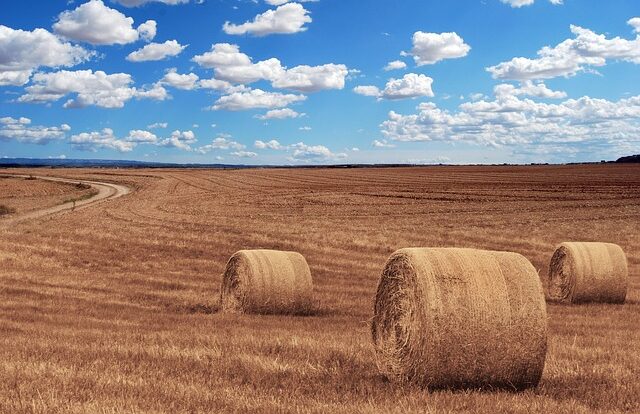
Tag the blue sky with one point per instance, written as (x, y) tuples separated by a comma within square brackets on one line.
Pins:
[(321, 82)]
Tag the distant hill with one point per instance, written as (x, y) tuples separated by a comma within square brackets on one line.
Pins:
[(76, 163), (629, 160)]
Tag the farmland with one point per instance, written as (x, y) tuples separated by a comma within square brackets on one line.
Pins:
[(113, 308)]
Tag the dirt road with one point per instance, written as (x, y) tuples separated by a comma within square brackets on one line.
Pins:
[(106, 191)]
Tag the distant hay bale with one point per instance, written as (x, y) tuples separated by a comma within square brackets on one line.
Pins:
[(460, 318), (267, 281), (588, 272)]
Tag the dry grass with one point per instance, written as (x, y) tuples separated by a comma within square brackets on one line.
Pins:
[(113, 308), (22, 195)]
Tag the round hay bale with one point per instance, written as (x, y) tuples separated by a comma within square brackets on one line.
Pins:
[(588, 272), (267, 281), (460, 318)]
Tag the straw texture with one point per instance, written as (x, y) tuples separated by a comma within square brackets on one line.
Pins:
[(460, 318), (267, 281), (588, 272)]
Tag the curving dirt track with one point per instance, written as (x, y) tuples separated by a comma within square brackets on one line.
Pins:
[(106, 191)]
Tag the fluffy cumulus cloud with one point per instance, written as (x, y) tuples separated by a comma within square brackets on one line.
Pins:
[(395, 65), (255, 99), (382, 143), (304, 152), (280, 114), (156, 51), (273, 145), (521, 3), (93, 22), (301, 151), (430, 48), (92, 141), (510, 120), (286, 19), (635, 23), (180, 81), (244, 154), (222, 142), (22, 52), (180, 139), (231, 65), (586, 50), (410, 85), (527, 88), (21, 130), (141, 136), (90, 88), (312, 78)]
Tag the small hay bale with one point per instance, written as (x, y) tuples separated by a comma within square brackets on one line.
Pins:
[(460, 318), (267, 281), (588, 272)]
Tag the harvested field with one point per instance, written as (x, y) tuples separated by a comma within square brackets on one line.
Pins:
[(113, 308), (24, 194)]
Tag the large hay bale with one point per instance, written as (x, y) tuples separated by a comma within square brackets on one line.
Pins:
[(267, 281), (460, 318), (588, 272)]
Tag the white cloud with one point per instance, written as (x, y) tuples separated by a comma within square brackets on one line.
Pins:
[(91, 88), (312, 78), (157, 92), (179, 81), (180, 139), (231, 65), (136, 3), (280, 114), (222, 142), (92, 141), (22, 52), (587, 49), (286, 19), (382, 144), (244, 154), (156, 51), (527, 88), (302, 151), (255, 99), (521, 3), (95, 23), (367, 90), (216, 84), (141, 136), (158, 125), (524, 123), (147, 30), (410, 85), (305, 128), (21, 131), (273, 144), (430, 48), (395, 65), (635, 23)]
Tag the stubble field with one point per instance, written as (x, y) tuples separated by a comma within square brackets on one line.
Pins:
[(113, 308)]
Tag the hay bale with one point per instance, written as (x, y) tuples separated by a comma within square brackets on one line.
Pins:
[(460, 318), (267, 281), (588, 272)]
